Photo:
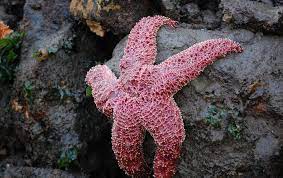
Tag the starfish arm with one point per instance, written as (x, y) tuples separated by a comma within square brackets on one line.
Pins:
[(163, 121), (102, 81), (141, 44), (127, 139), (179, 69)]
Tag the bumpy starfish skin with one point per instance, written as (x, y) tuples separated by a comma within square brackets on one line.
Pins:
[(142, 98)]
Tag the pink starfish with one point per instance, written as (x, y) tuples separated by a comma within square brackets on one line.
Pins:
[(142, 98)]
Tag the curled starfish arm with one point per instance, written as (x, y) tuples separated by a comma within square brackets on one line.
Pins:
[(127, 139), (102, 81), (141, 44), (180, 68), (164, 123)]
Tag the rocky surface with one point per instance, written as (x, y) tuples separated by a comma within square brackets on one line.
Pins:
[(199, 14), (11, 11), (254, 15), (47, 25), (30, 172), (49, 90), (119, 16), (247, 92), (231, 112)]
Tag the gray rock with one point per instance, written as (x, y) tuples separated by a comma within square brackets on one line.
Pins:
[(199, 14), (11, 11), (31, 172), (254, 15), (278, 2), (46, 28), (228, 84), (266, 147), (192, 13), (52, 114), (119, 16), (171, 8)]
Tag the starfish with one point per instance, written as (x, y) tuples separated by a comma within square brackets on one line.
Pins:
[(142, 98)]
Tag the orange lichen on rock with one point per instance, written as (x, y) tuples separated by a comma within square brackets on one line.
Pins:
[(4, 30), (96, 27), (142, 98), (78, 8)]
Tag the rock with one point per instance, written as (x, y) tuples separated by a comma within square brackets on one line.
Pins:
[(254, 15), (192, 13), (266, 147), (49, 101), (11, 11), (4, 16), (229, 86), (216, 135), (199, 14), (11, 14), (171, 8), (269, 2), (118, 16), (31, 172), (278, 2), (45, 129), (211, 19)]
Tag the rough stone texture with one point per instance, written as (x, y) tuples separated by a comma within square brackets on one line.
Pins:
[(30, 172), (119, 16), (46, 26), (199, 14), (246, 87), (11, 11), (254, 15), (49, 117), (61, 116)]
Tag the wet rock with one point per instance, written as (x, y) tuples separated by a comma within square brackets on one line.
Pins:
[(199, 14), (50, 90), (118, 16), (4, 16), (266, 147), (98, 158), (171, 8), (211, 19), (277, 2), (216, 135), (192, 13), (254, 15), (15, 160), (31, 172), (45, 28), (11, 11), (229, 86)]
